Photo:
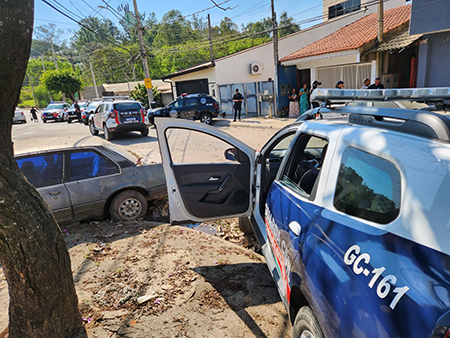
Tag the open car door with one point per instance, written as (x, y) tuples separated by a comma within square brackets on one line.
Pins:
[(209, 174)]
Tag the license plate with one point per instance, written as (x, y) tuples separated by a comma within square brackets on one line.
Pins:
[(130, 120)]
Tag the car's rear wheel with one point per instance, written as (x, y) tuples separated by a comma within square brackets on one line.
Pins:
[(206, 118), (144, 132), (44, 120), (306, 324), (92, 128), (128, 206), (69, 120), (24, 121), (245, 226), (107, 133)]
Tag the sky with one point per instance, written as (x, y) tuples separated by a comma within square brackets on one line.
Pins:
[(241, 11)]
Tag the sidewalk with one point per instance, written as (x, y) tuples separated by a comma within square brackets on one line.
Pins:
[(253, 122)]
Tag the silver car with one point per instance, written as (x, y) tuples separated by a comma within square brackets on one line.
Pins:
[(92, 182), (19, 116)]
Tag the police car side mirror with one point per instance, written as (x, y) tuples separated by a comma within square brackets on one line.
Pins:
[(230, 154)]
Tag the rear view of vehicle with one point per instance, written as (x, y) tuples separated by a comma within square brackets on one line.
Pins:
[(19, 116), (71, 115), (90, 109), (118, 116), (54, 112)]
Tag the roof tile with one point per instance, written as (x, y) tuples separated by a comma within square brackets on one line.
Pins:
[(354, 35)]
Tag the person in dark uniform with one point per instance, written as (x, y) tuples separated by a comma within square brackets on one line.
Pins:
[(237, 103), (377, 84), (33, 114), (77, 111)]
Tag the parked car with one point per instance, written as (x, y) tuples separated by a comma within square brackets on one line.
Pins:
[(351, 211), (92, 182), (70, 115), (188, 106), (90, 109), (118, 116), (54, 112), (19, 116)]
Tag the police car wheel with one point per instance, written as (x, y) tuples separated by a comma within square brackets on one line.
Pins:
[(306, 325), (108, 135), (205, 118), (245, 226), (92, 128)]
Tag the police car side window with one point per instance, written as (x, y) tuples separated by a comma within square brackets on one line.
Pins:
[(305, 163), (192, 101), (368, 187)]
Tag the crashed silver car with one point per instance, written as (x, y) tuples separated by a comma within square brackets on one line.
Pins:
[(93, 182)]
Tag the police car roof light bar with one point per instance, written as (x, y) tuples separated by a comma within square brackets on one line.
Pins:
[(403, 94)]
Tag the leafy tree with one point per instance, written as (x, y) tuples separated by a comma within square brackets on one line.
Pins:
[(33, 253), (173, 30), (290, 28), (62, 80), (140, 94)]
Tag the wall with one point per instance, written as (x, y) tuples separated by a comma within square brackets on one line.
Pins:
[(434, 70), (208, 73), (429, 16), (89, 92)]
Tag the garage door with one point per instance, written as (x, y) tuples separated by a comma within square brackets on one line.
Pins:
[(192, 86)]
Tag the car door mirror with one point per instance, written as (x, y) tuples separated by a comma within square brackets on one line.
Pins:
[(230, 154)]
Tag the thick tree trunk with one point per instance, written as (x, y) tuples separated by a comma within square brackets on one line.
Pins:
[(34, 256)]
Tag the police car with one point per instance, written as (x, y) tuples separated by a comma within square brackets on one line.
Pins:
[(351, 210)]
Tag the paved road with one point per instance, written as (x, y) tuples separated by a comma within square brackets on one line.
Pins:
[(53, 135)]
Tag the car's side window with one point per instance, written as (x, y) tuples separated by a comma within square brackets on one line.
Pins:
[(302, 171), (89, 164), (43, 170), (192, 101), (178, 104), (368, 187)]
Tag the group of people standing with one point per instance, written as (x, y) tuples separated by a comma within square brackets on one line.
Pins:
[(298, 104)]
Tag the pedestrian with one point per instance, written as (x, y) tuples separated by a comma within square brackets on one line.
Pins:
[(366, 83), (237, 104), (76, 106), (377, 84), (294, 108), (304, 103), (315, 84), (340, 84), (33, 114)]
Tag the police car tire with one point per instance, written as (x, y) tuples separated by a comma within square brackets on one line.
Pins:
[(306, 325), (245, 226), (206, 118), (92, 128), (108, 135), (144, 132)]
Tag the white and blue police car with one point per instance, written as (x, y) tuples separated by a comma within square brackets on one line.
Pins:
[(350, 205)]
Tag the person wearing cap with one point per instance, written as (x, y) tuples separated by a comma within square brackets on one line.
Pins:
[(366, 83), (377, 84), (340, 84)]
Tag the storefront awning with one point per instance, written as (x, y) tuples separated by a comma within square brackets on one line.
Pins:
[(396, 43)]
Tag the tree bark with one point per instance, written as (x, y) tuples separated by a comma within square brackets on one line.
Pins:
[(33, 253)]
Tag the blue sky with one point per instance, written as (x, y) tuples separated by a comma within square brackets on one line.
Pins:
[(243, 11)]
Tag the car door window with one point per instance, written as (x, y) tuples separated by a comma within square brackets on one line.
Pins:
[(42, 170), (303, 168), (368, 187), (192, 101), (89, 164), (177, 104)]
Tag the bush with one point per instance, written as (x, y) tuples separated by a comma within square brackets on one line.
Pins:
[(140, 94)]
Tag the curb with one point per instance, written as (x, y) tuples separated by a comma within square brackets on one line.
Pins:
[(228, 123)]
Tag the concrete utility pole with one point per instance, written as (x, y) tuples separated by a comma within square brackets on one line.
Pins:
[(54, 55), (380, 39), (143, 54), (275, 56), (32, 89), (93, 79), (211, 51)]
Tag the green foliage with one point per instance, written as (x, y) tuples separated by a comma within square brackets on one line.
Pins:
[(62, 80), (140, 94), (289, 25)]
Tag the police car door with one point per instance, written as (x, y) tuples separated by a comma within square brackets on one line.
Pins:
[(208, 172)]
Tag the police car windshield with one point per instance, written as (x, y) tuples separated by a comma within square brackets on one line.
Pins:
[(126, 106), (55, 106)]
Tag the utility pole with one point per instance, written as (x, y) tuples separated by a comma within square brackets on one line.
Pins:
[(32, 89), (93, 79), (43, 67), (143, 54), (211, 51), (54, 55), (380, 39), (275, 56)]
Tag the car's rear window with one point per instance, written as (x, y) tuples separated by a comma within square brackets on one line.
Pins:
[(55, 106), (127, 106)]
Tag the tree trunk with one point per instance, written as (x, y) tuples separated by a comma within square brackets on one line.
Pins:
[(34, 256)]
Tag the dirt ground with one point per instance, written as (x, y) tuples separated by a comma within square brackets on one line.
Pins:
[(150, 279)]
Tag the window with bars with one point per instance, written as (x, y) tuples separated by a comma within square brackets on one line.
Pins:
[(344, 8)]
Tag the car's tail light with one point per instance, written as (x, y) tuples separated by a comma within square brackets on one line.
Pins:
[(216, 105), (447, 333), (114, 115), (142, 114), (22, 114)]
